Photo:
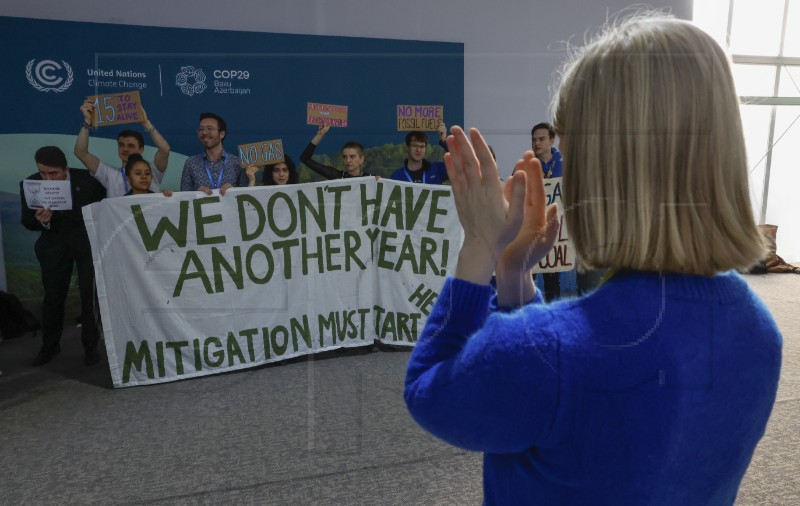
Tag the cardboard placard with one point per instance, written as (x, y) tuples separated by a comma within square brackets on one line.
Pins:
[(326, 114), (419, 117), (117, 108), (261, 153), (562, 257)]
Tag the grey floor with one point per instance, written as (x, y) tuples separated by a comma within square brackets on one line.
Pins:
[(329, 429)]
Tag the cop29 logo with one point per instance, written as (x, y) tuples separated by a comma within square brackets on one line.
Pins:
[(49, 75), (191, 81)]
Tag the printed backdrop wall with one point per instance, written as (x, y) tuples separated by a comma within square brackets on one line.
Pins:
[(259, 82)]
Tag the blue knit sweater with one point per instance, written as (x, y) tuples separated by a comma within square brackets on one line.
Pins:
[(652, 390)]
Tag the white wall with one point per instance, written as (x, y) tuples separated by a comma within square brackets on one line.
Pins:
[(512, 47)]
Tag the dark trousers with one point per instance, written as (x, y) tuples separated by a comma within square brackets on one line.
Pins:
[(56, 259), (552, 285)]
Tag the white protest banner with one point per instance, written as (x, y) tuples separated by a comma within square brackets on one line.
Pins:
[(191, 287), (562, 256), (51, 194)]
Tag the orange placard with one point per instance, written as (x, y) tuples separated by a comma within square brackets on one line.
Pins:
[(326, 114), (261, 153), (117, 108), (419, 117)]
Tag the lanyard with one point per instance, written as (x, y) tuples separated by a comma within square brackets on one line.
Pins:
[(124, 179), (411, 180), (547, 168), (221, 171)]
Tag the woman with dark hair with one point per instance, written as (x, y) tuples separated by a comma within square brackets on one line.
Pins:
[(278, 173)]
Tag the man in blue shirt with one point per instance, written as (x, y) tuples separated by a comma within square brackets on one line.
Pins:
[(416, 169), (542, 137)]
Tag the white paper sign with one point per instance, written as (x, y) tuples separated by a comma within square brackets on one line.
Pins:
[(55, 195)]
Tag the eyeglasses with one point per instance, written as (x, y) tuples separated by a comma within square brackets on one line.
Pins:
[(206, 129), (417, 146)]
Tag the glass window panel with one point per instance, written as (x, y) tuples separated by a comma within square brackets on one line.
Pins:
[(782, 207), (712, 16), (791, 46), (790, 82), (755, 123), (756, 27), (754, 80)]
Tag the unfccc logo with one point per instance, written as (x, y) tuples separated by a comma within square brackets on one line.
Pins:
[(192, 81), (48, 76)]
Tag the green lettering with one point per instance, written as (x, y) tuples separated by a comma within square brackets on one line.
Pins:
[(352, 242), (234, 349), (200, 272), (367, 202), (176, 347), (407, 255), (290, 228), (394, 208), (219, 262), (330, 251), (136, 358), (386, 248), (253, 276), (280, 349), (317, 213), (241, 200), (435, 211), (152, 241), (201, 221), (219, 355)]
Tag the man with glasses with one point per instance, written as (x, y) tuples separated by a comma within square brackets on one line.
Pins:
[(63, 242), (128, 143), (214, 169), (416, 169)]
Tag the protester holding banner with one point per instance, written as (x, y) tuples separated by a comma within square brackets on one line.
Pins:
[(281, 173), (128, 143), (656, 387), (275, 174), (416, 169), (63, 242), (352, 156), (214, 169), (140, 177)]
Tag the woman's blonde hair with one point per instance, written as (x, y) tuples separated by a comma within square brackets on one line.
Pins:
[(655, 172)]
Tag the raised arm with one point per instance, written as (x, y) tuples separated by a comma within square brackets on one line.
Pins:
[(323, 170), (534, 240), (161, 158), (490, 220), (81, 149)]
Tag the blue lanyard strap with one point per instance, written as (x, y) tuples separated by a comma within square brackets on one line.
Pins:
[(411, 179), (221, 171), (124, 179)]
